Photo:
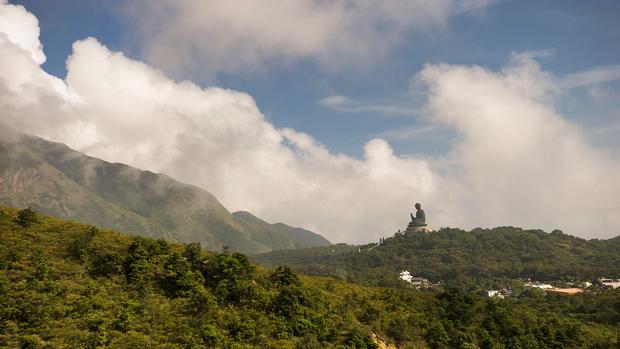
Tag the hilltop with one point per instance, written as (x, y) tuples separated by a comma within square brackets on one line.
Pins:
[(65, 284), (474, 259), (52, 178)]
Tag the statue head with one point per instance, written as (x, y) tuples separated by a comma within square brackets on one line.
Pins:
[(418, 206)]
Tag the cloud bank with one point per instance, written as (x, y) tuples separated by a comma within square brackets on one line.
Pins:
[(210, 37), (516, 161)]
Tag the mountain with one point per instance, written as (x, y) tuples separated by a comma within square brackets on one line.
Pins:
[(69, 285), (280, 236), (52, 178), (480, 258)]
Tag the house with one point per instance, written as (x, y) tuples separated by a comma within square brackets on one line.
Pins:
[(503, 293), (537, 284), (416, 281), (405, 275), (613, 283), (419, 282)]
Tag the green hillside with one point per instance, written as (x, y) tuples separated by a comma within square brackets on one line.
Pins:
[(69, 285), (481, 258), (57, 180), (279, 236)]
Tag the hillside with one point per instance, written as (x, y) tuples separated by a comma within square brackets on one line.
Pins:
[(57, 180), (476, 259), (69, 285), (279, 236)]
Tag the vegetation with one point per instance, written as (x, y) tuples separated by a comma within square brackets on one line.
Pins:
[(68, 285), (52, 178), (477, 259)]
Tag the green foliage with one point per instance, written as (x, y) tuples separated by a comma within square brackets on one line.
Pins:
[(284, 276), (41, 266), (106, 264), (26, 217), (78, 248), (477, 259), (136, 264), (66, 285)]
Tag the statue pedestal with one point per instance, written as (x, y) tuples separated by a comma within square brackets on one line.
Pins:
[(414, 228)]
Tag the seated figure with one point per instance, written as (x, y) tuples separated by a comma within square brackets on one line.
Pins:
[(420, 218)]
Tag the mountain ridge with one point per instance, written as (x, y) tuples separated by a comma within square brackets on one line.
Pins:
[(55, 179)]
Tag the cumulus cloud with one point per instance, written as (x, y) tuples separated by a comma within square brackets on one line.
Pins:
[(516, 160), (23, 29), (211, 37), (122, 110)]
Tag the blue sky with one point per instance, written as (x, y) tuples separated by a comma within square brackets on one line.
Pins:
[(580, 35)]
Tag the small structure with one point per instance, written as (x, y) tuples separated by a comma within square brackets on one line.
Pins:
[(501, 294), (537, 284), (613, 283), (494, 293), (405, 275), (415, 281)]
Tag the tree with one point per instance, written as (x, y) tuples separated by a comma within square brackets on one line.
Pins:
[(107, 264), (26, 217), (78, 248), (193, 254), (437, 336), (41, 266), (179, 280), (136, 264), (284, 276)]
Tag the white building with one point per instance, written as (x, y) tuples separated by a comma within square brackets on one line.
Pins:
[(495, 293), (405, 275), (538, 285), (416, 281), (613, 283)]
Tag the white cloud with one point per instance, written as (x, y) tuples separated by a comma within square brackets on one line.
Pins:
[(594, 76), (348, 105), (335, 101), (516, 161), (211, 37), (122, 110), (23, 29)]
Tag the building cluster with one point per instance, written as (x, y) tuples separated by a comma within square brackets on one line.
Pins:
[(415, 281), (503, 293), (577, 287)]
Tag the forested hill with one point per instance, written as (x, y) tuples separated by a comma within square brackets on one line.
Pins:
[(52, 178), (69, 285), (477, 258)]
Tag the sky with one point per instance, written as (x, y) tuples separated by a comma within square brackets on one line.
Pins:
[(338, 116)]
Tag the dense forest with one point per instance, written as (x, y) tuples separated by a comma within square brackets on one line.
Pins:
[(476, 259), (69, 285)]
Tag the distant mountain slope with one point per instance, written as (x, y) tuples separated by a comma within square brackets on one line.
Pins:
[(60, 181), (281, 235), (477, 258), (27, 180)]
